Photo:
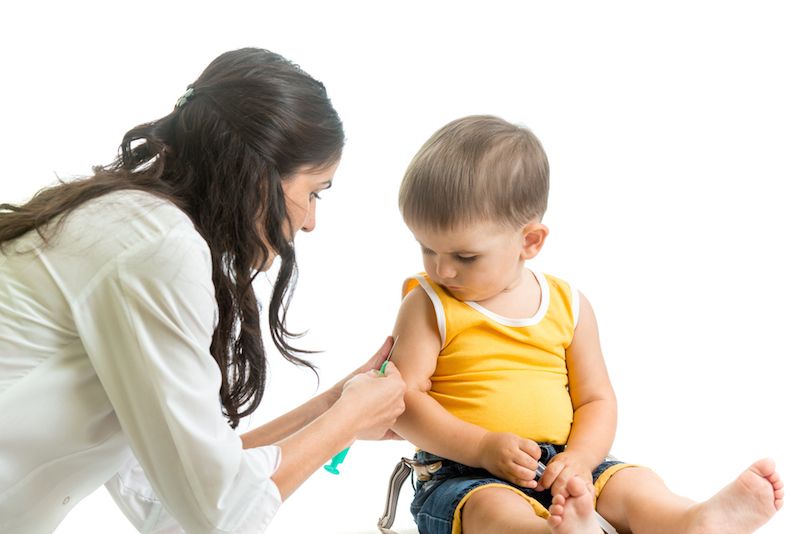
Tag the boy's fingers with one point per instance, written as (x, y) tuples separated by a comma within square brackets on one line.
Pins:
[(550, 475), (532, 448), (525, 483), (524, 476), (527, 461)]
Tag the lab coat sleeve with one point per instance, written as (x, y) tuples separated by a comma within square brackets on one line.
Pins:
[(146, 321), (134, 496)]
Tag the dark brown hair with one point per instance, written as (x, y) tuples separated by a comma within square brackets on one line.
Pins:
[(476, 169), (251, 120)]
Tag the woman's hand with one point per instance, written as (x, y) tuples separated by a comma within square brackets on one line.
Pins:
[(374, 362), (563, 467), (368, 405), (375, 401), (510, 457)]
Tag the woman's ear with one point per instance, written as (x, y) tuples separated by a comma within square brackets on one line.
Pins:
[(533, 236)]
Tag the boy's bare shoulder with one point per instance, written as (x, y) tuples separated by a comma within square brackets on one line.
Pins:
[(418, 337), (417, 310)]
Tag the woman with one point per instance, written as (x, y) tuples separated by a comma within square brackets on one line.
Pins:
[(127, 316)]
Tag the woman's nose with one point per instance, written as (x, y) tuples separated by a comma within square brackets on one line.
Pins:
[(311, 217)]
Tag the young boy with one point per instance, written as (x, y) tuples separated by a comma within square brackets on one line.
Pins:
[(504, 367)]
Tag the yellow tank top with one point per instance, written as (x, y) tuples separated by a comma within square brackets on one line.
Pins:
[(503, 374)]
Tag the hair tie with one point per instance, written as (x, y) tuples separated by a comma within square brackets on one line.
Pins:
[(185, 98)]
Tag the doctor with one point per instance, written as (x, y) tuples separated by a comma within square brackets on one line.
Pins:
[(130, 340)]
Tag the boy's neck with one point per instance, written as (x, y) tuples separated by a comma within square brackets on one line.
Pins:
[(522, 299)]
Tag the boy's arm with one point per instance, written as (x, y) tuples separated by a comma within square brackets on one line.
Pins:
[(594, 405), (426, 424)]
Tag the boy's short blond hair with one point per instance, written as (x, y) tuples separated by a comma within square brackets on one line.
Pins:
[(476, 169)]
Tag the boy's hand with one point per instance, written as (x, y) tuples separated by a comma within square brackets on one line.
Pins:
[(510, 457), (561, 468)]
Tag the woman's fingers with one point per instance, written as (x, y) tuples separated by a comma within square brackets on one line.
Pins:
[(379, 357), (392, 435), (379, 398), (392, 374), (391, 370)]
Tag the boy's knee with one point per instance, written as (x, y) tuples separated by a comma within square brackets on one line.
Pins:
[(485, 503)]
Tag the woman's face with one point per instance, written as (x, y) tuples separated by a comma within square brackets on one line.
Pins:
[(301, 192)]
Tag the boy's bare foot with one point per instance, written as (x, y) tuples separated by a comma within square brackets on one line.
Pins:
[(575, 513), (742, 506)]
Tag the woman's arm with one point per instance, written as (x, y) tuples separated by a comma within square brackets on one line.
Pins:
[(369, 406), (146, 325), (361, 406), (289, 423), (427, 424)]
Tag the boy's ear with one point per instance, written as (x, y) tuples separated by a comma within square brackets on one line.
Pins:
[(533, 236)]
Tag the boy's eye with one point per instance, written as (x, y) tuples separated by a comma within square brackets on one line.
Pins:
[(466, 259)]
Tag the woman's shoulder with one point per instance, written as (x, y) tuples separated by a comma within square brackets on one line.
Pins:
[(130, 216), (127, 206), (117, 225)]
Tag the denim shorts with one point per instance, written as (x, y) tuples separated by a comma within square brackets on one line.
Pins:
[(437, 499)]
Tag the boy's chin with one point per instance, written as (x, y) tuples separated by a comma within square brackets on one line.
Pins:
[(460, 293)]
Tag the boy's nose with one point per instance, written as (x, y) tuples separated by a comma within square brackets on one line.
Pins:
[(445, 269)]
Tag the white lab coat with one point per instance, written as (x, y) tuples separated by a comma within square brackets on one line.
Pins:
[(106, 378)]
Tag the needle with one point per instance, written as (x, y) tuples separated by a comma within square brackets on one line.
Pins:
[(386, 361)]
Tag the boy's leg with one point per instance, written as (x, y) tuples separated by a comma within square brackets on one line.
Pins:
[(497, 509), (636, 499)]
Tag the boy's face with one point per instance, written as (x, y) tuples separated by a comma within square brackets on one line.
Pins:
[(474, 262)]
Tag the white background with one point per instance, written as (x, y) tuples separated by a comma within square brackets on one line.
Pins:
[(672, 132)]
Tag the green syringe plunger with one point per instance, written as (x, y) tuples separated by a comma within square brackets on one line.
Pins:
[(335, 461)]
